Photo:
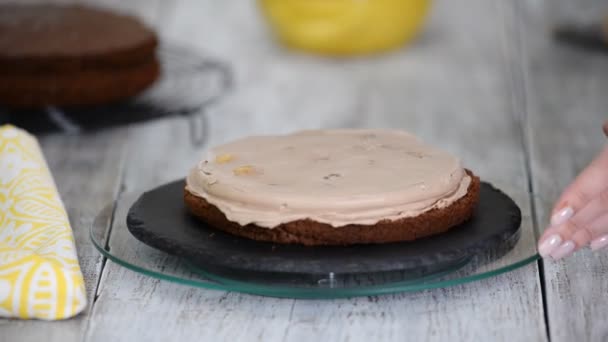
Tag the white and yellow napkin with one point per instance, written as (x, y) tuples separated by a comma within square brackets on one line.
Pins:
[(39, 272)]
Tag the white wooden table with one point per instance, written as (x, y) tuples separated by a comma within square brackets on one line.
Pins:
[(485, 82)]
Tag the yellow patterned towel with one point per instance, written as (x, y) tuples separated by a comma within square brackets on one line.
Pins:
[(39, 272)]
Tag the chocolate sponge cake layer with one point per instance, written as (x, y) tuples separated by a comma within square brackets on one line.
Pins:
[(71, 55), (56, 38), (82, 88), (311, 233)]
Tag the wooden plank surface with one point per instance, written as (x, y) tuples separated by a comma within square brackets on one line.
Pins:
[(566, 108), (454, 88)]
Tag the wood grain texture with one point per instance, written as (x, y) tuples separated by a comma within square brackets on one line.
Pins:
[(454, 88), (566, 108)]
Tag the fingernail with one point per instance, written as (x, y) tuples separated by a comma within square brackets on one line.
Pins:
[(564, 250), (561, 216), (599, 243), (549, 245)]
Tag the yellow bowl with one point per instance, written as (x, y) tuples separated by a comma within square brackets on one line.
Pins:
[(345, 27)]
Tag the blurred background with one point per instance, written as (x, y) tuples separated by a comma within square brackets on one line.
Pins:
[(467, 72)]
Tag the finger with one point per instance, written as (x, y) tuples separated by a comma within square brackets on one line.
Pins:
[(586, 186), (600, 229), (597, 228), (581, 235), (605, 127), (549, 242), (564, 250), (579, 227), (565, 222)]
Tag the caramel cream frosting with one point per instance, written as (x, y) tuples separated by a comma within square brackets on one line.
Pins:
[(338, 177)]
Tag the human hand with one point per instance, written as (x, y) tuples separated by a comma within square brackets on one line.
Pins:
[(580, 216)]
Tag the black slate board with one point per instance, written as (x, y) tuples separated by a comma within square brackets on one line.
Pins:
[(160, 219)]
